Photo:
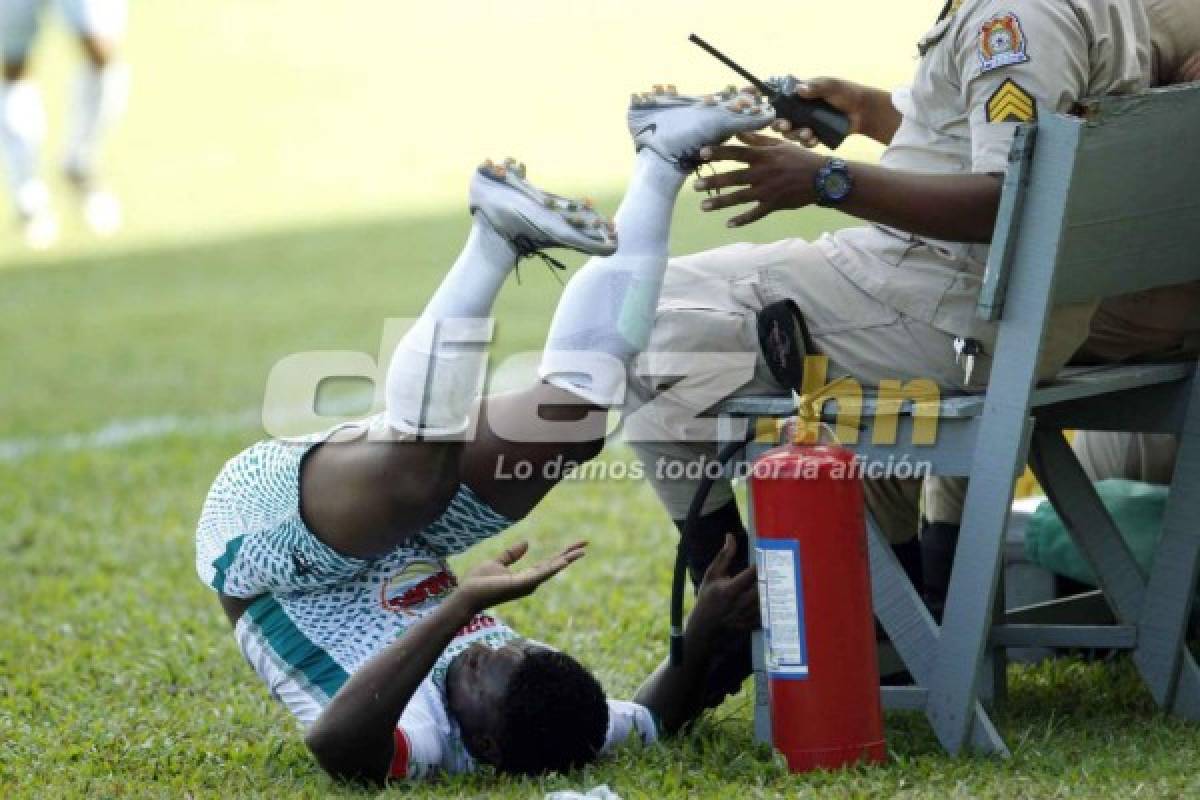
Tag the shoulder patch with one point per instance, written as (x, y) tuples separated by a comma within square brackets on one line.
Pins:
[(1002, 43), (1011, 103)]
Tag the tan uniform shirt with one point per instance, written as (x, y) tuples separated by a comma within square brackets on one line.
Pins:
[(984, 69), (1160, 324), (1175, 31)]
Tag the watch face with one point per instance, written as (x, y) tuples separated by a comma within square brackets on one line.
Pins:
[(837, 185)]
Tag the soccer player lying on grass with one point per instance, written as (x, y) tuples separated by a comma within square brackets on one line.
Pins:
[(328, 552)]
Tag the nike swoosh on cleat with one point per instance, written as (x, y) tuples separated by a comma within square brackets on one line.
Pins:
[(651, 128), (537, 228)]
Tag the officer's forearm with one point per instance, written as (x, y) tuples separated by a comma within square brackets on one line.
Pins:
[(880, 119), (956, 208)]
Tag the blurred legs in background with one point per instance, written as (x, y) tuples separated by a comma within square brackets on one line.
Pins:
[(98, 99)]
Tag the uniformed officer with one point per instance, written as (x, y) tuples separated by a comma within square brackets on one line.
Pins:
[(886, 300), (1150, 326)]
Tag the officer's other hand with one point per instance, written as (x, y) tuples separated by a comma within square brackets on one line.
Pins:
[(777, 176), (847, 97)]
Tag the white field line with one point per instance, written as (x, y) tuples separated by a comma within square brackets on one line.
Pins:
[(122, 432)]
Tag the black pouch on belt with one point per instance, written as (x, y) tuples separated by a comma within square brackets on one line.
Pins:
[(784, 341)]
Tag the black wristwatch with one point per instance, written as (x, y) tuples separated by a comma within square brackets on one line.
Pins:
[(833, 183)]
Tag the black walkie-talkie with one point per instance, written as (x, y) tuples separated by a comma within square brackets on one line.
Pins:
[(829, 125)]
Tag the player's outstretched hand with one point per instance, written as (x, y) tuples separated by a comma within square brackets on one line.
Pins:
[(777, 176), (727, 602), (495, 582)]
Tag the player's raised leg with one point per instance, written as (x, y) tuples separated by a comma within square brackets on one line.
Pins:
[(607, 310), (23, 124), (364, 493), (98, 100)]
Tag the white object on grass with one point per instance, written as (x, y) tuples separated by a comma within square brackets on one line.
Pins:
[(601, 792)]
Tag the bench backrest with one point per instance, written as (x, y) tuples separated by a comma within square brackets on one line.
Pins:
[(1109, 199)]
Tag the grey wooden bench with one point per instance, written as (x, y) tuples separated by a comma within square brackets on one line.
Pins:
[(1094, 206)]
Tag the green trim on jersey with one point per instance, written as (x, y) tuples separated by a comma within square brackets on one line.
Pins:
[(222, 563), (295, 649)]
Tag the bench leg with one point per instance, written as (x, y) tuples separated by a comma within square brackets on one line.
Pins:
[(912, 630), (1161, 656), (971, 599), (762, 696), (1171, 590)]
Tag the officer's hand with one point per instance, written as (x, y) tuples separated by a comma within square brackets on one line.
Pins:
[(849, 98), (778, 176)]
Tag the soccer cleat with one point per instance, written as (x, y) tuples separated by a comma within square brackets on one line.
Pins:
[(40, 230), (676, 126), (533, 219), (102, 212), (101, 208), (39, 225)]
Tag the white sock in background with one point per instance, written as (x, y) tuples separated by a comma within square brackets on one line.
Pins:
[(98, 101), (22, 128), (607, 310), (434, 378)]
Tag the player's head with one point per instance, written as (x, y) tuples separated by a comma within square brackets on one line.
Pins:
[(527, 709)]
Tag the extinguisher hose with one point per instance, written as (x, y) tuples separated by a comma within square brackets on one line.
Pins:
[(724, 456)]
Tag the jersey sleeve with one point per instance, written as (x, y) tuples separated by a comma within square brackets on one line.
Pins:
[(420, 737), (1016, 60), (626, 721)]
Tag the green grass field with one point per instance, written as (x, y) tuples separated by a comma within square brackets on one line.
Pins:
[(134, 368)]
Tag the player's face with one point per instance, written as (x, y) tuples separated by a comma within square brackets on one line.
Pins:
[(476, 683)]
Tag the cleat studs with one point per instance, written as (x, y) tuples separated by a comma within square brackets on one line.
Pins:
[(710, 100), (671, 90), (660, 89), (635, 100), (589, 203)]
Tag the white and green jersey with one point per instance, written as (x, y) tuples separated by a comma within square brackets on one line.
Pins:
[(320, 615)]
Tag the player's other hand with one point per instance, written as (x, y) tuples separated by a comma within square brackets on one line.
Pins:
[(847, 97), (496, 581), (777, 176), (727, 602)]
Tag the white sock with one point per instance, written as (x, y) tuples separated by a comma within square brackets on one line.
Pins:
[(436, 372), (22, 127), (607, 310), (99, 100)]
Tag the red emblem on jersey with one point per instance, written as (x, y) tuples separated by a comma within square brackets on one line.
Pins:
[(420, 585)]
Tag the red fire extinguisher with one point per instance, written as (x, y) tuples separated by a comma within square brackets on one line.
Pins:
[(814, 588)]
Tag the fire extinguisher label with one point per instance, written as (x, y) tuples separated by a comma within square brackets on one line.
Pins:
[(781, 598)]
